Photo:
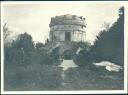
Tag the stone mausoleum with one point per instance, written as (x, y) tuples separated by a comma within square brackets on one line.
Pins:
[(67, 28), (65, 32)]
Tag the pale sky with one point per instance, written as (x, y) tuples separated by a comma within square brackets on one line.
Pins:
[(35, 18)]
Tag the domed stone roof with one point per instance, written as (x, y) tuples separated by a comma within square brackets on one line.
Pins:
[(67, 19)]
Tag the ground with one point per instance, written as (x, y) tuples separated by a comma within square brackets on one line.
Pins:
[(49, 77)]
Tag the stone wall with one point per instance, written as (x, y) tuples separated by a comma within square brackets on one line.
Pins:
[(68, 27), (59, 25)]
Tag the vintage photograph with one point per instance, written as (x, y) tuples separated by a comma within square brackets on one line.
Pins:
[(63, 46)]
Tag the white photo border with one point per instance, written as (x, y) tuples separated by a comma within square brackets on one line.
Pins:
[(125, 3)]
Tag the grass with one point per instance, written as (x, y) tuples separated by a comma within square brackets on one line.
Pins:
[(40, 77)]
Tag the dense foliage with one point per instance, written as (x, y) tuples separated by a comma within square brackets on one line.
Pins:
[(27, 66), (109, 44), (83, 58)]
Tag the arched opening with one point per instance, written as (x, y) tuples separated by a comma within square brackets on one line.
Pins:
[(67, 55)]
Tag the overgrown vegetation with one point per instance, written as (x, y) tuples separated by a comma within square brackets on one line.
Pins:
[(29, 65), (109, 44)]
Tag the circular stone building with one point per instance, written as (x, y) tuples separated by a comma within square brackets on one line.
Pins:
[(67, 28)]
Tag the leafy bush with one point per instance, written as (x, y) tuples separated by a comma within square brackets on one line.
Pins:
[(83, 58)]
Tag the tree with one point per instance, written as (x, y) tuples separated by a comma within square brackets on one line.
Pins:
[(24, 41), (6, 34), (109, 44), (20, 51)]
